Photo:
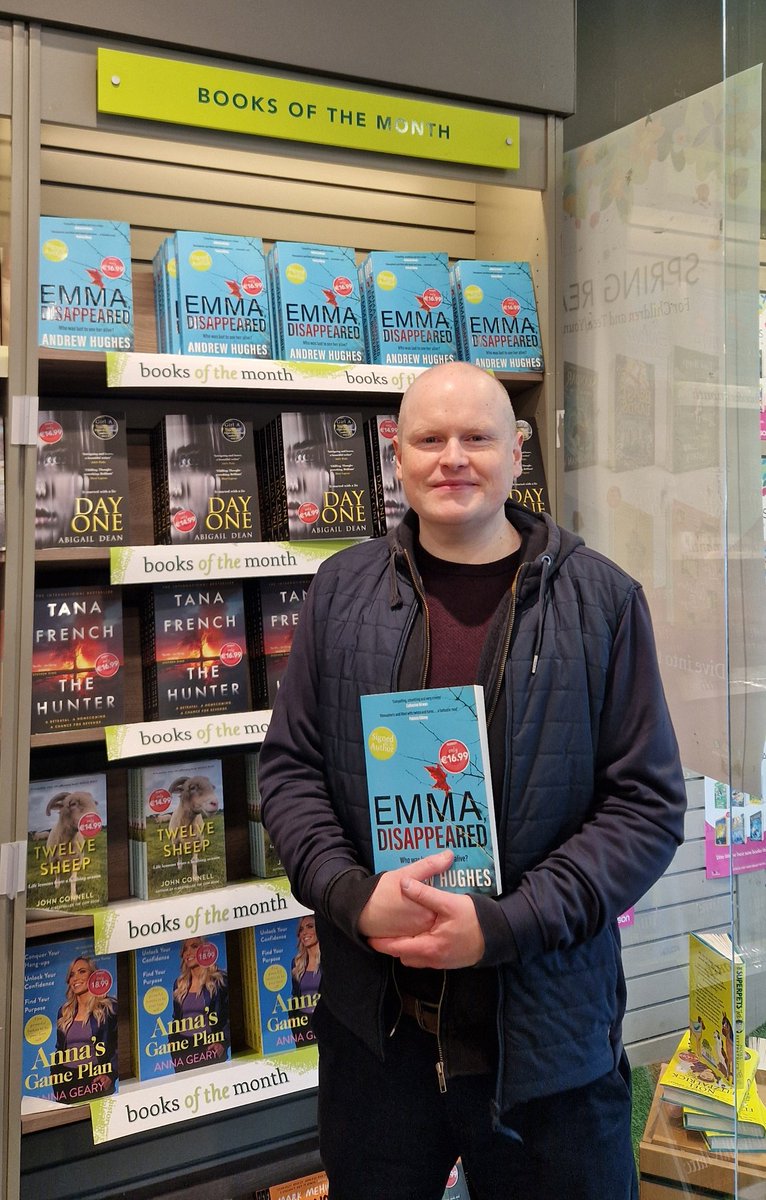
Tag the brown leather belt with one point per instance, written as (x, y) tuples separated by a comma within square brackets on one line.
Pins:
[(426, 1015)]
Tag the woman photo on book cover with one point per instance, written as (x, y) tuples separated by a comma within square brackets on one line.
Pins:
[(200, 998), (306, 977), (86, 1024), (192, 477)]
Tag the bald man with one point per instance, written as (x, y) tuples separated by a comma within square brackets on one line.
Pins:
[(468, 1025)]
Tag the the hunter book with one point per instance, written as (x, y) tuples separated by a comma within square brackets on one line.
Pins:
[(86, 289), (67, 841), (429, 785), (81, 482), (77, 658), (195, 657)]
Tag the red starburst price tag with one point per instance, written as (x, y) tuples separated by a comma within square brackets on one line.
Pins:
[(231, 654), (112, 267), (107, 665), (432, 297), (342, 286), (184, 521), (100, 982), (511, 306), (454, 756), (252, 285), (207, 954), (159, 801), (308, 512), (90, 825)]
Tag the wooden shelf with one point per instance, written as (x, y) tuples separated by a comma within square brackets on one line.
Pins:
[(53, 1118), (46, 923), (69, 737)]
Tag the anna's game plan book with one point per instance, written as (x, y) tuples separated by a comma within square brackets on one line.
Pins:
[(429, 783)]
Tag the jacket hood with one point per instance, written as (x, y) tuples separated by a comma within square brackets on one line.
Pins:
[(543, 539)]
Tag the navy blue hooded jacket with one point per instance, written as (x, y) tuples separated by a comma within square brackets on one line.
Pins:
[(589, 790)]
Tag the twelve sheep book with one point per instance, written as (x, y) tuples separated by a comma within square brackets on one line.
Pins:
[(176, 828), (66, 846)]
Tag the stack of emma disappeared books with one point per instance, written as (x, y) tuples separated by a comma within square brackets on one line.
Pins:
[(712, 1072)]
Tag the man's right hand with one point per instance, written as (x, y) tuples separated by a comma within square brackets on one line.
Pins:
[(389, 913)]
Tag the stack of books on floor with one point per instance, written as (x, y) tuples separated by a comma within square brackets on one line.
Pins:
[(712, 1073)]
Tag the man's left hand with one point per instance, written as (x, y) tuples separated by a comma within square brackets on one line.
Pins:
[(454, 940)]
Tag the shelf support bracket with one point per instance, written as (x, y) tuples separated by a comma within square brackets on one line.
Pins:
[(24, 420), (13, 868)]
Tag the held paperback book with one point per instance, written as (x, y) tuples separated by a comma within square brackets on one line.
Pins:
[(429, 783), (69, 1052)]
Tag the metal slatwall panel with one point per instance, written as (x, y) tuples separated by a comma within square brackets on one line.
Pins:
[(161, 185), (656, 947)]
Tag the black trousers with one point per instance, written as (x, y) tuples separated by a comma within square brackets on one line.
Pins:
[(386, 1132)]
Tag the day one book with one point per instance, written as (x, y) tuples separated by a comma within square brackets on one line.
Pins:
[(389, 503), (204, 481), (429, 783), (496, 311), (69, 1048), (312, 469), (223, 306), (195, 658), (176, 828), (531, 487), (66, 847), (317, 310), (408, 309), (77, 658), (86, 289), (180, 1006), (282, 983), (81, 483)]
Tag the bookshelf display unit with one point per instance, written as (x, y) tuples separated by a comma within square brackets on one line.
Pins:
[(159, 180)]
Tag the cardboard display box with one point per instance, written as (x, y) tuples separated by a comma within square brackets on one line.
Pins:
[(675, 1163)]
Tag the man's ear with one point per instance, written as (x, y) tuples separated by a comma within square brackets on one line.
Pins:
[(398, 456), (517, 444)]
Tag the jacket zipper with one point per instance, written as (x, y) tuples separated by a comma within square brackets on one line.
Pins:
[(441, 1074), (506, 647), (423, 601)]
